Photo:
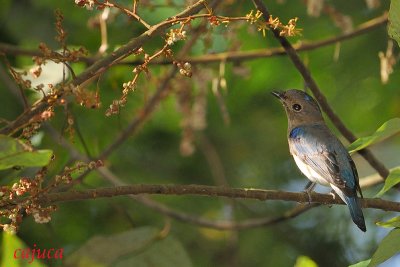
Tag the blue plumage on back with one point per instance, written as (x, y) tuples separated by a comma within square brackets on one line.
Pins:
[(318, 153)]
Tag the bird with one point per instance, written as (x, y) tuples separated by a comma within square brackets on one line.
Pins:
[(318, 153)]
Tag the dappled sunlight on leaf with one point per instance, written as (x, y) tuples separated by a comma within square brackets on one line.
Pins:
[(8, 246), (394, 222), (389, 246), (305, 261), (392, 180), (389, 128), (14, 153), (138, 247)]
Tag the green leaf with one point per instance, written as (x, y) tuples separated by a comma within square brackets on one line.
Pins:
[(387, 129), (394, 20), (389, 246), (140, 247), (13, 153), (361, 263), (391, 180), (305, 261), (10, 244), (394, 222)]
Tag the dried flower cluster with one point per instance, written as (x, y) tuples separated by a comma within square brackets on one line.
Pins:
[(23, 195), (25, 190), (61, 33), (180, 34), (88, 4), (175, 35), (185, 69), (273, 23)]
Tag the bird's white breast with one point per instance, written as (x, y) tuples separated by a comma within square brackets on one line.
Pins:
[(312, 175)]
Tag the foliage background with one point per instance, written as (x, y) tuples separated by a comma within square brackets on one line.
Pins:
[(252, 147)]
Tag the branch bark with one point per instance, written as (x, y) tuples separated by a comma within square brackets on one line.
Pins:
[(215, 191)]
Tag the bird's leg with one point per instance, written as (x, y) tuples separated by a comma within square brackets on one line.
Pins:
[(308, 189), (332, 193)]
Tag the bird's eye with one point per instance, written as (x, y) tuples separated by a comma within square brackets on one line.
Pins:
[(296, 107)]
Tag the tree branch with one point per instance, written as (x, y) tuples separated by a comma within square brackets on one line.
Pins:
[(223, 225), (215, 191), (238, 56), (100, 66), (232, 56), (372, 160)]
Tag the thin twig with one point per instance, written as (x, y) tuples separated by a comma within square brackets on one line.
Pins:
[(100, 66), (228, 225), (372, 160), (128, 12), (151, 104), (12, 86), (232, 56), (15, 88), (239, 56)]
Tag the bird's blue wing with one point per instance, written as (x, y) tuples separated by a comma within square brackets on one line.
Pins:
[(319, 149)]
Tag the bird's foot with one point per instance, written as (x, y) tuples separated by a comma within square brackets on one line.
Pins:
[(332, 193), (309, 188), (309, 196)]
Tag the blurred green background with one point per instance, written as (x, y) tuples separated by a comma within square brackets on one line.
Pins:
[(252, 147)]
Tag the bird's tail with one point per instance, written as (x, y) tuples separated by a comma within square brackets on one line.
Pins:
[(356, 212)]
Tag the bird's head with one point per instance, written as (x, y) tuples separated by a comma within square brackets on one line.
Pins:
[(300, 107)]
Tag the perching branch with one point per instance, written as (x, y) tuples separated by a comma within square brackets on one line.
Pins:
[(192, 218), (215, 191), (304, 71), (108, 175)]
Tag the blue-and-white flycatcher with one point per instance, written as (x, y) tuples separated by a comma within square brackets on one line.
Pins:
[(318, 152)]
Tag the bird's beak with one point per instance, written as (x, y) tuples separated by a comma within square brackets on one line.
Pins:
[(278, 94)]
